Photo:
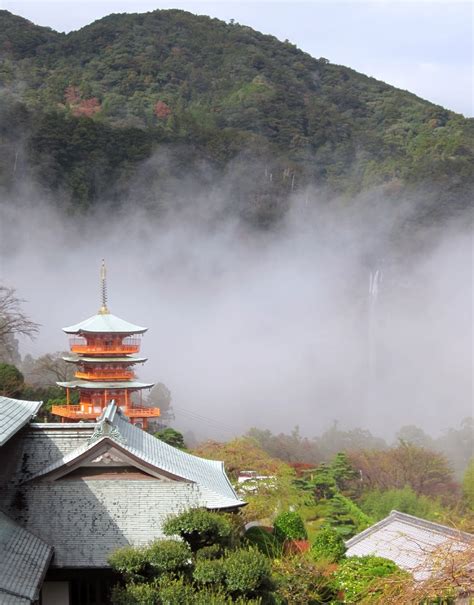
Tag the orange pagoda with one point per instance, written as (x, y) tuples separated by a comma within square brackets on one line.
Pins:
[(103, 348)]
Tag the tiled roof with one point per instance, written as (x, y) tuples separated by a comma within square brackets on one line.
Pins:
[(24, 559), (105, 323), (14, 414), (209, 474), (90, 516), (124, 384), (409, 541)]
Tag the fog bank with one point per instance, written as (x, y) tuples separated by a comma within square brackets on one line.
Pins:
[(342, 311)]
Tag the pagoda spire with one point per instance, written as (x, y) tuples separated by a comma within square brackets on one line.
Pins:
[(103, 284)]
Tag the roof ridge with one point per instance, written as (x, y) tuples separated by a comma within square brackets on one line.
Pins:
[(433, 525)]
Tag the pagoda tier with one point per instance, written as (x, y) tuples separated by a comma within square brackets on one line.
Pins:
[(102, 348)]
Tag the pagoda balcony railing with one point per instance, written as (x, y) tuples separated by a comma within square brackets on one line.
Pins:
[(106, 374), (89, 412), (133, 412), (76, 412), (129, 345)]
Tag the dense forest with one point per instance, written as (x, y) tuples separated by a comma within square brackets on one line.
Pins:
[(84, 116)]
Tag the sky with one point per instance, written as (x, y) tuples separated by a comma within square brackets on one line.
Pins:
[(425, 47)]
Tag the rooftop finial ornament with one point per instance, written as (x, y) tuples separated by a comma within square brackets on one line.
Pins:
[(103, 280)]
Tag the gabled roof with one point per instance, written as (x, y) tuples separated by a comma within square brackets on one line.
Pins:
[(65, 473), (409, 541), (24, 559), (160, 456), (14, 414), (105, 323)]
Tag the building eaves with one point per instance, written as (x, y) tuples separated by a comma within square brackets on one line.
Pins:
[(104, 323), (209, 474), (14, 414), (411, 520)]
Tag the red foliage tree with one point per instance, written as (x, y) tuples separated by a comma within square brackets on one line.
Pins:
[(87, 107), (162, 110)]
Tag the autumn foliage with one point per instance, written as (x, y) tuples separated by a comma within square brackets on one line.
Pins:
[(79, 106), (162, 110)]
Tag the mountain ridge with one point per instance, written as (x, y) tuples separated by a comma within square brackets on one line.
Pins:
[(169, 78)]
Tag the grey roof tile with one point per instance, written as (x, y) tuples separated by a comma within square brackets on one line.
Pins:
[(105, 323), (14, 414), (409, 541), (23, 562), (90, 517)]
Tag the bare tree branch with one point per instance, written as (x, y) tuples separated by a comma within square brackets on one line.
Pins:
[(13, 320)]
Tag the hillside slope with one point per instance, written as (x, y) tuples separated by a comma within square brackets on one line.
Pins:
[(90, 106)]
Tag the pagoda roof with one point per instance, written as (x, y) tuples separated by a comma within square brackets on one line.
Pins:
[(96, 384), (78, 358), (104, 323), (14, 414)]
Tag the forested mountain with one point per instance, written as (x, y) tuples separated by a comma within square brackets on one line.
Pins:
[(80, 114)]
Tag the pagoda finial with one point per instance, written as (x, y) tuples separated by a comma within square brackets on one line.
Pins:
[(103, 280)]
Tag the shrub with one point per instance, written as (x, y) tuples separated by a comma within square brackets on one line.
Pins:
[(130, 562), (265, 541), (289, 526), (135, 594), (302, 582), (328, 545), (378, 503), (209, 571), (246, 571), (199, 527), (168, 556), (356, 576), (209, 552)]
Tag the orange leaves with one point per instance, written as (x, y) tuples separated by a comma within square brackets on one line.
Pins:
[(80, 106)]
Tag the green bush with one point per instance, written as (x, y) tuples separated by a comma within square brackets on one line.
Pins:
[(130, 562), (168, 556), (209, 571), (265, 541), (328, 545), (135, 594), (209, 552), (356, 576), (246, 571), (300, 581), (199, 527), (289, 526), (379, 503)]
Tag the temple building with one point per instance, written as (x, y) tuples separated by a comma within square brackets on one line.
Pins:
[(72, 492), (103, 348)]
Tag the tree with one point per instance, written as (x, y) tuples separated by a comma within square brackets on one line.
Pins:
[(171, 437), (241, 454), (199, 528), (425, 471), (48, 369), (11, 380), (468, 485), (13, 321), (342, 471), (160, 397), (378, 503)]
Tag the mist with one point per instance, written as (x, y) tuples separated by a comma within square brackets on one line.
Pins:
[(342, 311)]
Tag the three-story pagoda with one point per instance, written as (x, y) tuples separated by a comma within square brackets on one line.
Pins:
[(103, 349)]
